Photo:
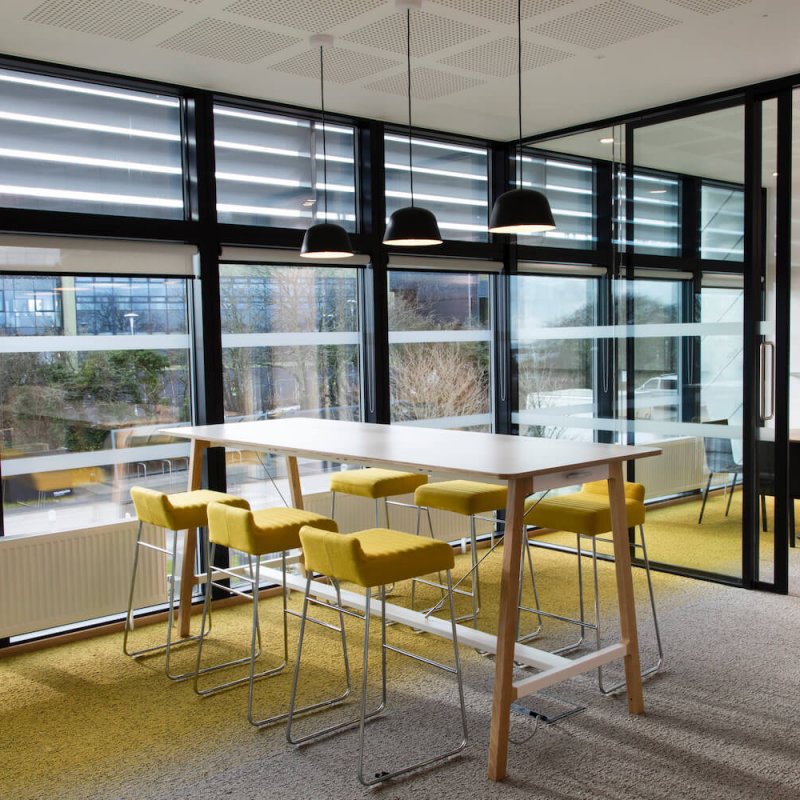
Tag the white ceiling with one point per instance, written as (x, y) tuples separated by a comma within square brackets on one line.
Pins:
[(583, 59)]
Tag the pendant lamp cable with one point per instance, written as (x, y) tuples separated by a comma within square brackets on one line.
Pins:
[(324, 152), (408, 71)]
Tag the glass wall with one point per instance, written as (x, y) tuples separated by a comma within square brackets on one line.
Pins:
[(570, 186), (451, 180), (72, 146), (440, 346), (657, 312), (684, 350), (291, 347), (722, 221), (554, 347), (265, 173), (91, 367)]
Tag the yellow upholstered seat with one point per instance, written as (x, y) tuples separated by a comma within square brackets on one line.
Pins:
[(268, 530), (587, 511), (462, 497), (469, 499), (179, 511), (254, 533), (374, 557), (375, 482)]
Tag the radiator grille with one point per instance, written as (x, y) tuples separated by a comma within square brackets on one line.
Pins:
[(71, 576)]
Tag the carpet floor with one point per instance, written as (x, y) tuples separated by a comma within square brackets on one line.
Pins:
[(83, 721)]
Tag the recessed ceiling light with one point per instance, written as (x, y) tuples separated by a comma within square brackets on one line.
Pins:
[(607, 140), (774, 174), (658, 191)]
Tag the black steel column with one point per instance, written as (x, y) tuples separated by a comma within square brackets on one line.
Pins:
[(375, 307), (753, 305)]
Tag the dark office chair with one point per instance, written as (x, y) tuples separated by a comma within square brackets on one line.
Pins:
[(719, 460), (767, 483)]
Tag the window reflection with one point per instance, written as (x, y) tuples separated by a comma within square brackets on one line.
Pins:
[(554, 350), (91, 368), (440, 349)]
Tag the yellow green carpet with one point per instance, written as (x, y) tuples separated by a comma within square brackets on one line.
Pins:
[(81, 720)]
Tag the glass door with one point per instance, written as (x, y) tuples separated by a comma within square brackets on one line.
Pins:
[(680, 298)]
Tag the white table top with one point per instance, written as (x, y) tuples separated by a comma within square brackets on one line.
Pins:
[(481, 455)]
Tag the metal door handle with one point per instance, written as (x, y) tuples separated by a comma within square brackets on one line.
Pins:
[(764, 394)]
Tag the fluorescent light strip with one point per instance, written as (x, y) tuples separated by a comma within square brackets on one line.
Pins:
[(294, 123), (91, 197), (557, 187), (439, 172), (10, 77), (88, 126), (638, 177), (453, 148), (458, 226), (267, 211), (239, 178), (276, 151), (437, 198), (85, 161), (549, 162)]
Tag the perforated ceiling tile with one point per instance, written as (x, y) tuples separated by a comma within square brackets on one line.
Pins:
[(227, 41), (429, 33), (426, 83), (499, 57), (316, 17), (118, 19), (709, 6), (505, 12), (341, 65), (604, 24)]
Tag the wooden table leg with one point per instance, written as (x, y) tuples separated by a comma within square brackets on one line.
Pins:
[(190, 542), (518, 490), (627, 603), (293, 474)]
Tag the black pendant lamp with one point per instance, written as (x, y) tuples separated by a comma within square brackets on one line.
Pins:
[(325, 240), (521, 210), (411, 226)]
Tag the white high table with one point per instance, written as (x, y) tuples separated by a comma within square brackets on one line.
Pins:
[(527, 464)]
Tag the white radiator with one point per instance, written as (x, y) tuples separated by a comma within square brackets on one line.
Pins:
[(680, 468), (71, 576)]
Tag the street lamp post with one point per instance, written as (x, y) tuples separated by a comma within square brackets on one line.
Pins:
[(132, 316)]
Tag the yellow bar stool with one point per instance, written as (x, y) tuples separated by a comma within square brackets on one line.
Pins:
[(182, 511), (374, 558), (587, 513), (469, 499), (375, 483), (256, 534)]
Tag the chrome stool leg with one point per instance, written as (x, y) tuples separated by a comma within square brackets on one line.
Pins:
[(660, 660)]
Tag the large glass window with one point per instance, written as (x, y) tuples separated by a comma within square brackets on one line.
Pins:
[(657, 317), (554, 348), (290, 337), (570, 187), (440, 334), (656, 212), (721, 221), (266, 174), (91, 368), (72, 146), (451, 180)]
